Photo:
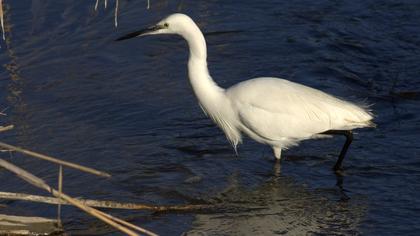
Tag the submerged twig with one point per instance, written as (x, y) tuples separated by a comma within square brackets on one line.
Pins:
[(102, 204)]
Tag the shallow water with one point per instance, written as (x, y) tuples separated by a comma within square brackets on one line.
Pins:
[(127, 108)]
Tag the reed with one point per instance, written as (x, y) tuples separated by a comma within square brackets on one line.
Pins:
[(116, 9), (2, 19), (54, 160), (63, 198), (40, 183), (96, 8), (7, 127)]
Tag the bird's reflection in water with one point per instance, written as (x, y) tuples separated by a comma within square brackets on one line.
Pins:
[(340, 186), (282, 206), (277, 168)]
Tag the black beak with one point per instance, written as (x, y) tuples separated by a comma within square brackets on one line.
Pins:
[(140, 32)]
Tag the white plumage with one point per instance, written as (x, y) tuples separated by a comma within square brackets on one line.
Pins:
[(273, 111), (282, 112)]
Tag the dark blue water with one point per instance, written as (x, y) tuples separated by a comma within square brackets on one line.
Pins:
[(128, 109)]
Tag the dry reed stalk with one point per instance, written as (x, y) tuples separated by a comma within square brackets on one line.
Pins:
[(28, 177), (6, 128), (60, 190), (116, 9), (2, 18), (38, 182), (2, 112), (28, 225), (116, 13), (96, 5), (102, 204), (54, 160)]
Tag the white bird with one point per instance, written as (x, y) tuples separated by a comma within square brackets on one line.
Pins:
[(272, 111)]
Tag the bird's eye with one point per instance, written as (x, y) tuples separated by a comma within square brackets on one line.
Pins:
[(166, 25)]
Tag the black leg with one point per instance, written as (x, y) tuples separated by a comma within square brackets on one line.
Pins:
[(349, 139)]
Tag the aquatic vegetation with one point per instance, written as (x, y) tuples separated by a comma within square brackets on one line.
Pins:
[(96, 8), (115, 10)]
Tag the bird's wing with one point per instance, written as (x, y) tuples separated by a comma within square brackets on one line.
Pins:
[(275, 108)]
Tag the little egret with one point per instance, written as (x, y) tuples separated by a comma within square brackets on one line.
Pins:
[(272, 111)]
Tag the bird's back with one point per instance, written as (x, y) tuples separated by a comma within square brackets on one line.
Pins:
[(278, 108)]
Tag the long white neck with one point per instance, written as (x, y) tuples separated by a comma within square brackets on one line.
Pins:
[(212, 98), (206, 90)]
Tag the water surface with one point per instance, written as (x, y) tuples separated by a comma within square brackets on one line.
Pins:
[(127, 108)]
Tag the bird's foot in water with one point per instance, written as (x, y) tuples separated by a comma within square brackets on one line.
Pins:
[(338, 170)]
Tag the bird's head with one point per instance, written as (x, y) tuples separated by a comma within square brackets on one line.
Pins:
[(174, 24)]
